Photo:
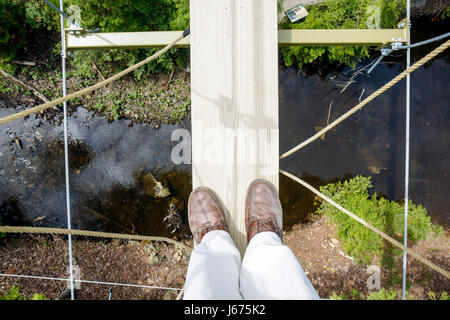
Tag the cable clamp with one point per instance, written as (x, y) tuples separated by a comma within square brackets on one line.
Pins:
[(396, 45)]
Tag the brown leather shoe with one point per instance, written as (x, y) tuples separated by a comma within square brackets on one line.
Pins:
[(205, 213), (263, 209)]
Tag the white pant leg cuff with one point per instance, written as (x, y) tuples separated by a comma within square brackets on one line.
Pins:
[(266, 237), (214, 234)]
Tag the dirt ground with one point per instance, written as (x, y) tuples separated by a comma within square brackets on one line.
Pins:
[(331, 270), (160, 264)]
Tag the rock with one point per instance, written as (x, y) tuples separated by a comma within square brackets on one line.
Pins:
[(186, 258), (149, 248), (154, 188), (176, 257), (153, 258)]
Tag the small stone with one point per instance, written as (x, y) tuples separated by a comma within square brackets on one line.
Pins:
[(153, 258), (170, 296), (148, 248)]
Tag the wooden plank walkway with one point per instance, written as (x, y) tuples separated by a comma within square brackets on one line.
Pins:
[(234, 92)]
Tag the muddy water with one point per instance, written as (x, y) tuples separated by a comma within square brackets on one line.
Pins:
[(109, 162)]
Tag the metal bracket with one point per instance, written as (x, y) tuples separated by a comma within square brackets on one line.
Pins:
[(396, 45)]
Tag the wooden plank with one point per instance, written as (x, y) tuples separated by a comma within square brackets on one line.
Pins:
[(157, 39), (234, 95)]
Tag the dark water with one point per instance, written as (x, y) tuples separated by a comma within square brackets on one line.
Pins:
[(372, 142), (107, 164), (109, 161)]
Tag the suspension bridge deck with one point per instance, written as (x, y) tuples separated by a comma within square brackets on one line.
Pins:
[(234, 96)]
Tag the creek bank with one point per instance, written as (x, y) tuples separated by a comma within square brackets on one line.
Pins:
[(159, 264)]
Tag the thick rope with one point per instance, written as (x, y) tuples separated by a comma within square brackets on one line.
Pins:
[(88, 233), (384, 88), (368, 225), (85, 91)]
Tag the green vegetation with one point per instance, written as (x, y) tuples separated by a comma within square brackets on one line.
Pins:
[(433, 296), (19, 17), (445, 13), (14, 294), (340, 14), (12, 35), (2, 234), (385, 294), (357, 240)]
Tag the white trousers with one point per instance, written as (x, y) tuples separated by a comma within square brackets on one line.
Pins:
[(269, 270)]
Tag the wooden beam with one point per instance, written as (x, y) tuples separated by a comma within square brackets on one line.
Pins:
[(157, 39), (123, 40), (327, 37), (234, 96)]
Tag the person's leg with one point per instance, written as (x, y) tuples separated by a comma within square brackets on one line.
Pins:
[(269, 269), (213, 271)]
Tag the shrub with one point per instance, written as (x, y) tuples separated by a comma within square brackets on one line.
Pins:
[(340, 14), (359, 241)]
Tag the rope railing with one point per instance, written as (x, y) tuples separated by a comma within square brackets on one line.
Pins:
[(89, 233)]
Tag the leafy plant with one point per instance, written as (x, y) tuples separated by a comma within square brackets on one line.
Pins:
[(445, 13), (336, 296), (433, 296), (14, 294), (340, 14), (357, 240), (383, 294)]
